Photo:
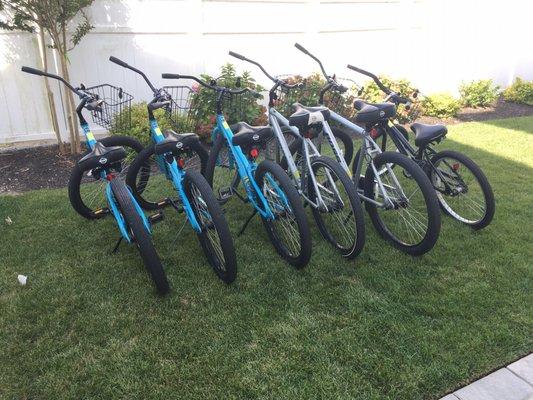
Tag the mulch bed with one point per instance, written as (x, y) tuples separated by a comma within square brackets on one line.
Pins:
[(22, 170)]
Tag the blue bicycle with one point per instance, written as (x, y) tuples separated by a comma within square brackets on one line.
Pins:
[(267, 186), (168, 173), (103, 163)]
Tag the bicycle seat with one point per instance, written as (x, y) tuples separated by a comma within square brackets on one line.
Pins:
[(244, 134), (306, 116), (175, 143), (101, 156), (373, 112), (425, 134)]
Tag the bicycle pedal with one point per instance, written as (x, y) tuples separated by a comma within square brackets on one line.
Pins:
[(102, 211), (157, 217), (225, 193)]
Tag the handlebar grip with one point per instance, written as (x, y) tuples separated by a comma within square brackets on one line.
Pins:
[(361, 71), (33, 71), (171, 76), (118, 61), (237, 55), (301, 48)]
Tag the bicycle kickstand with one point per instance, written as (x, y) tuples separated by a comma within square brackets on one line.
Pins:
[(115, 249), (246, 223)]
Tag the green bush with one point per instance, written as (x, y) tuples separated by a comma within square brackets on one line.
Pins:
[(373, 94), (243, 107), (441, 105), (520, 91), (140, 126), (480, 93)]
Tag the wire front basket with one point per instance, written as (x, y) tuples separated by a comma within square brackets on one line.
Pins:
[(194, 110), (115, 113)]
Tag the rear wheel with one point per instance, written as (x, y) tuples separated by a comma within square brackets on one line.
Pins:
[(215, 236), (289, 230), (87, 191), (140, 235), (462, 188), (340, 219), (411, 220)]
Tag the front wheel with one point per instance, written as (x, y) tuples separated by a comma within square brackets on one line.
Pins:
[(339, 216), (215, 236), (408, 215), (289, 230), (140, 235), (462, 188)]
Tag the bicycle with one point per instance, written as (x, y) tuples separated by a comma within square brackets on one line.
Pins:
[(463, 190), (324, 185), (103, 163), (232, 160), (165, 163), (402, 205)]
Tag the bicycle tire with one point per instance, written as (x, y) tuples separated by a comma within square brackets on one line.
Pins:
[(140, 235), (431, 203), (228, 271)]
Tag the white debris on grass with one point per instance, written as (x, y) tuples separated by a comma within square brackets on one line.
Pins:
[(22, 279)]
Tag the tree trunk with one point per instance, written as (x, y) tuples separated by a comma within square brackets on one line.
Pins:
[(51, 101)]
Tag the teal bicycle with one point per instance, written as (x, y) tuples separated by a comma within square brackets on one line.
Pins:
[(267, 187), (103, 164), (167, 173)]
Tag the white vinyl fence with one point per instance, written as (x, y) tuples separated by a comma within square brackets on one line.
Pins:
[(434, 43)]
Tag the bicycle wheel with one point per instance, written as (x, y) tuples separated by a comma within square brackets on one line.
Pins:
[(87, 192), (288, 231), (215, 237), (140, 235), (468, 196), (340, 220), (221, 171), (412, 219)]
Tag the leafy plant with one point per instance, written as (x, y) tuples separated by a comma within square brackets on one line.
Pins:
[(521, 91), (480, 93), (372, 93), (238, 108), (441, 105), (140, 126)]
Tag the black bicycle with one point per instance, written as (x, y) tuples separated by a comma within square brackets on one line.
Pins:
[(462, 188)]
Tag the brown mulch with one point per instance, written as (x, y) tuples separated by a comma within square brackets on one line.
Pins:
[(34, 168)]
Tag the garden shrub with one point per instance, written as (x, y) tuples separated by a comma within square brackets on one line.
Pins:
[(140, 126), (441, 105), (244, 107), (480, 93), (521, 91)]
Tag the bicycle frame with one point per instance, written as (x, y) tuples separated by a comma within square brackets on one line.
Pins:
[(246, 169)]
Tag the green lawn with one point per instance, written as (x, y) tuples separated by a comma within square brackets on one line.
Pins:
[(385, 326)]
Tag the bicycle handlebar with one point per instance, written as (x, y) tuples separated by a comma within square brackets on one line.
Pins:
[(207, 85), (35, 71), (305, 51), (126, 65), (385, 89)]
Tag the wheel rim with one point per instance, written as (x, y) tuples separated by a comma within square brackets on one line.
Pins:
[(337, 217), (284, 225), (407, 218), (464, 198), (209, 229)]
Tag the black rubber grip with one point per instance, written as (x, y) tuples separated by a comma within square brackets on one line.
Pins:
[(301, 48), (119, 62), (361, 71), (33, 71), (171, 76), (237, 55)]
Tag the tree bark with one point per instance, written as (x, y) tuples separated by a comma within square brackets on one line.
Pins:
[(51, 101)]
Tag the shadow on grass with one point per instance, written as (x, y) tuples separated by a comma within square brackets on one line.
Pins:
[(384, 326)]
